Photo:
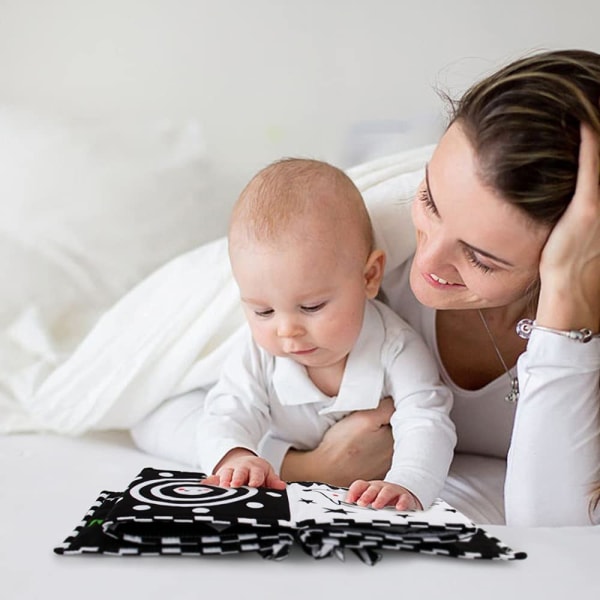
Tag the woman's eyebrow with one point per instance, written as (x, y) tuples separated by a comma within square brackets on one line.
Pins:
[(473, 248)]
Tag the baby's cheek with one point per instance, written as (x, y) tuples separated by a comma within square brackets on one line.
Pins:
[(344, 335), (264, 338)]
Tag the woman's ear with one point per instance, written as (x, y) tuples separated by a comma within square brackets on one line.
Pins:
[(374, 272)]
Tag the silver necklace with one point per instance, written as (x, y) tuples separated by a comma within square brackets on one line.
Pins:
[(513, 395)]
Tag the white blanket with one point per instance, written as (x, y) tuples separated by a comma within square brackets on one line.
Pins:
[(170, 333)]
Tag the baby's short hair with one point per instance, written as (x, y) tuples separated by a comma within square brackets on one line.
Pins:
[(287, 189)]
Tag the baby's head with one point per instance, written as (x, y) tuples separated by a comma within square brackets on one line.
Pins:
[(301, 250), (292, 197)]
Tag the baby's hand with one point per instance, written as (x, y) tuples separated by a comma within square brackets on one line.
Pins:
[(241, 467), (380, 494)]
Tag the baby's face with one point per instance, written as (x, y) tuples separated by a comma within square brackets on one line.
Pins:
[(303, 298)]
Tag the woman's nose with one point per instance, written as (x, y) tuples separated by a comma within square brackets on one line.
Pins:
[(435, 254), (432, 246)]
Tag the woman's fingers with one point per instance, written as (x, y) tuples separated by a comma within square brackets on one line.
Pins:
[(383, 413), (588, 173), (570, 262)]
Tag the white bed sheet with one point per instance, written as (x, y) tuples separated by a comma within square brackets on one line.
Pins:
[(50, 481)]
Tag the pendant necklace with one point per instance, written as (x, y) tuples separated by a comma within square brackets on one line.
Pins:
[(513, 395)]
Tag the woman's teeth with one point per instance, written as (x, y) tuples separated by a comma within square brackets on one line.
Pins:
[(439, 279)]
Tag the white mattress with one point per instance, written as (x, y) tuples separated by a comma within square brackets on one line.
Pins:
[(49, 482)]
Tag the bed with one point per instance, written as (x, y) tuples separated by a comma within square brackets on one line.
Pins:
[(50, 480), (61, 261)]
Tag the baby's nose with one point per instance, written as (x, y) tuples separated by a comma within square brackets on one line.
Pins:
[(289, 328)]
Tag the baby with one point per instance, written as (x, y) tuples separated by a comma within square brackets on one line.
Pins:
[(319, 345)]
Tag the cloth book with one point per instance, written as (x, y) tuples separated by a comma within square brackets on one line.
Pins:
[(175, 513)]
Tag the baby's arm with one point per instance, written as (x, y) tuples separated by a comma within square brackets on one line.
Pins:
[(424, 434), (241, 467), (380, 494), (236, 416)]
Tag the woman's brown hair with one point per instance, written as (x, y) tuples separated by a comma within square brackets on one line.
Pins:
[(524, 124)]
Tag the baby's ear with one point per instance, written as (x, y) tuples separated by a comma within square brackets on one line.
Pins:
[(374, 272)]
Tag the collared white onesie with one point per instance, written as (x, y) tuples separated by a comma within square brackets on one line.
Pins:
[(258, 392)]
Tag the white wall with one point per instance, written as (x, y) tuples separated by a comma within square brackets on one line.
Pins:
[(268, 78)]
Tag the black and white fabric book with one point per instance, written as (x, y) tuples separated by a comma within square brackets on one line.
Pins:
[(175, 513)]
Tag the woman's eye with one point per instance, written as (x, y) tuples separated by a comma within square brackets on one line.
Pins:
[(425, 198), (313, 308), (472, 258), (264, 313)]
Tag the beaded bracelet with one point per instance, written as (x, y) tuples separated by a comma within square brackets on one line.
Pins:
[(526, 326)]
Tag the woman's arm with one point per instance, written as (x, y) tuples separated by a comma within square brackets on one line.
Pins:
[(554, 460), (554, 457), (357, 447)]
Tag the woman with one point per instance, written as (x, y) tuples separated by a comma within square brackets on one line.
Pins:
[(507, 222)]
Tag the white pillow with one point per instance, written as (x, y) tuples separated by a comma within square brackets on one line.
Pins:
[(86, 211)]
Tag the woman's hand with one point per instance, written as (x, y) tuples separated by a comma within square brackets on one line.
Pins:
[(570, 261), (357, 447)]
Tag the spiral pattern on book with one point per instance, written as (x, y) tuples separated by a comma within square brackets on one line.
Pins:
[(185, 494)]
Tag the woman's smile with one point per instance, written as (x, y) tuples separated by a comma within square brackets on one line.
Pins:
[(439, 281)]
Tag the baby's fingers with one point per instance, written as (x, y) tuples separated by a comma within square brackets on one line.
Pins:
[(387, 496), (274, 482), (406, 502), (211, 480), (356, 490), (368, 496), (239, 477), (225, 475), (256, 477)]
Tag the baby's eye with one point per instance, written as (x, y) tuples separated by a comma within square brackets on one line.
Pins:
[(267, 312), (313, 308)]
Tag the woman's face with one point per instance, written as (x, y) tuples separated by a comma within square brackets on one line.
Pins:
[(474, 249)]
